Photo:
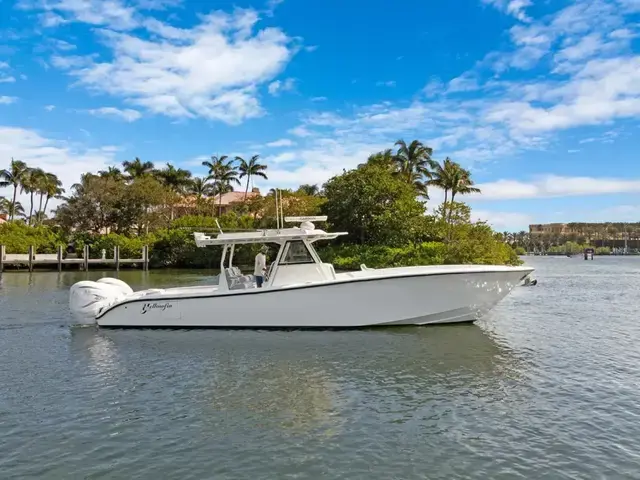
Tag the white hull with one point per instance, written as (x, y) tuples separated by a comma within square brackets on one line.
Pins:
[(398, 296)]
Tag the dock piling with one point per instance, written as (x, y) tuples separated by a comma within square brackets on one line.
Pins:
[(145, 257), (86, 258), (57, 260)]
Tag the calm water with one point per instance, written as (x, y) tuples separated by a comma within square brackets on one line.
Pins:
[(546, 386)]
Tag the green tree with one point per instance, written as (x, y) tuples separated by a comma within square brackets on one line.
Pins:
[(414, 164), (311, 190), (462, 183), (5, 206), (250, 169), (51, 188), (14, 176), (375, 206), (32, 183), (137, 168), (443, 177), (224, 174), (177, 179), (112, 172), (386, 159), (200, 187)]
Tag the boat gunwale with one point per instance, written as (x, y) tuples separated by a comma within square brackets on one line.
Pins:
[(254, 291)]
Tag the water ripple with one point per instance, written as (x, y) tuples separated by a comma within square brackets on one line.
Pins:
[(544, 387)]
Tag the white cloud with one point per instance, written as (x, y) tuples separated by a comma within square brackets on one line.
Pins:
[(113, 13), (5, 77), (300, 132), (276, 87), (603, 90), (49, 108), (573, 150), (156, 4), (555, 186), (515, 8), (63, 45), (434, 87), (126, 114), (6, 100), (319, 99), (388, 83), (210, 71), (463, 83), (283, 142), (68, 161)]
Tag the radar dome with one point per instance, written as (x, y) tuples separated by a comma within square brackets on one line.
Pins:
[(307, 226)]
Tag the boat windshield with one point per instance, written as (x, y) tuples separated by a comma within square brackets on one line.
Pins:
[(296, 252)]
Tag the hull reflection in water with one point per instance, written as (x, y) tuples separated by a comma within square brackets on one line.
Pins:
[(298, 381)]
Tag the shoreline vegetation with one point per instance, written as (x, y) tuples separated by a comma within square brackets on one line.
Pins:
[(382, 203), (607, 238)]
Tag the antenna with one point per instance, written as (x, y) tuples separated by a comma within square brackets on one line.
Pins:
[(277, 214), (281, 211), (219, 227)]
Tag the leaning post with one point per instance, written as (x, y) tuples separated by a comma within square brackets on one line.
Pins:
[(1, 257), (60, 255)]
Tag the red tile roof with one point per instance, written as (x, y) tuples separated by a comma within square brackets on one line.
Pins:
[(227, 199)]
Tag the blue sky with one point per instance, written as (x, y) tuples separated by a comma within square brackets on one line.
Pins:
[(540, 99)]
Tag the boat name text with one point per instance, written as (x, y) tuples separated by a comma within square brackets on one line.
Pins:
[(156, 306)]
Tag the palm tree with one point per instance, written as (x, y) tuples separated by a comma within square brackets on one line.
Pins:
[(17, 209), (311, 190), (137, 168), (111, 172), (199, 187), (414, 164), (251, 169), (14, 176), (223, 174), (462, 184), (5, 206), (443, 177), (177, 179), (385, 158), (52, 188), (32, 184)]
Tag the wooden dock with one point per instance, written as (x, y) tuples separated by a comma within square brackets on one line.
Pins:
[(33, 259)]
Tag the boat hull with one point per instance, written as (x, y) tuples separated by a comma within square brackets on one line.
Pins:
[(417, 297)]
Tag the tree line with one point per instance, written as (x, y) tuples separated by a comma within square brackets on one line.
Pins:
[(381, 203), (33, 181), (138, 196)]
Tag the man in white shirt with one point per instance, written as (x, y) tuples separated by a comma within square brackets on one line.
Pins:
[(260, 266)]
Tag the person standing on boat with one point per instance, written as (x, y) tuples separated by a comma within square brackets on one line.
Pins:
[(260, 266)]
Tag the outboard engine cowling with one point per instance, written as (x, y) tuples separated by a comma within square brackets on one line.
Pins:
[(87, 299), (122, 286)]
